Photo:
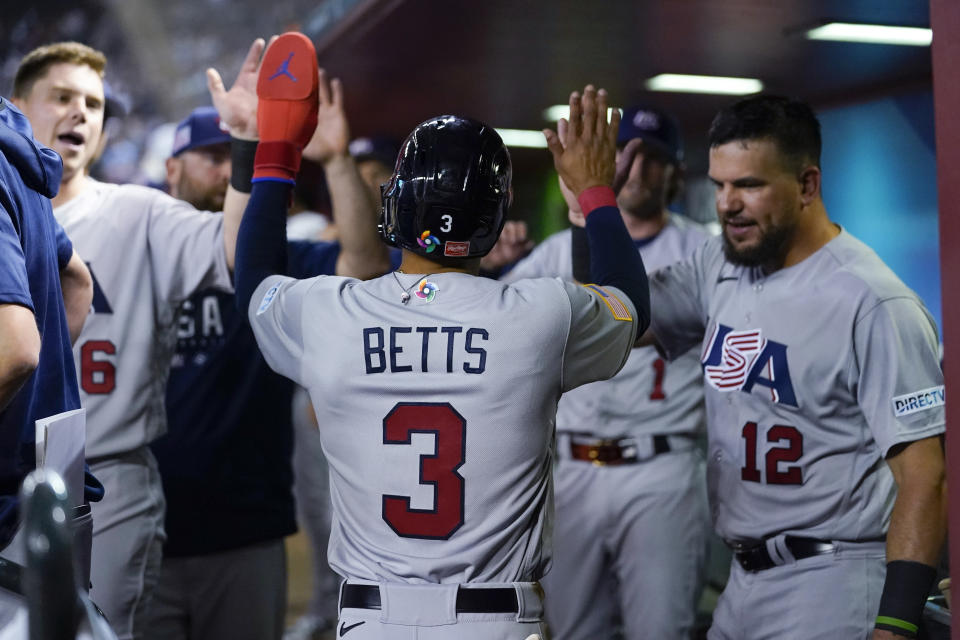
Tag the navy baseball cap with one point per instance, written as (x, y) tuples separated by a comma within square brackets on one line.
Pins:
[(116, 104), (654, 127), (200, 129), (381, 148)]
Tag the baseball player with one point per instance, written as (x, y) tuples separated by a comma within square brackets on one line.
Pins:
[(631, 503), (226, 478), (374, 158), (436, 417), (147, 253), (824, 396)]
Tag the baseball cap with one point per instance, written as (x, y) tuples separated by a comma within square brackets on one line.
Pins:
[(116, 104), (200, 129), (380, 148), (654, 127)]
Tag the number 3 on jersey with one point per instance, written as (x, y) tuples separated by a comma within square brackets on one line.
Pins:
[(439, 469)]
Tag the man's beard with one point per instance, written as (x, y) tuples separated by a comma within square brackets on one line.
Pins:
[(770, 252), (645, 204), (204, 200)]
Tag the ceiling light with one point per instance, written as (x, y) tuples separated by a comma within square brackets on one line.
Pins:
[(523, 138), (875, 33), (682, 83), (557, 111)]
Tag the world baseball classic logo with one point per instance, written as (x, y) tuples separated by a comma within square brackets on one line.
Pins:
[(737, 360)]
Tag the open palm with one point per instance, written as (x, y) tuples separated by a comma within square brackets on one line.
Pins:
[(238, 106), (332, 137)]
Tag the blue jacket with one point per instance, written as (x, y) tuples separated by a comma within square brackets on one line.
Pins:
[(33, 248), (225, 459)]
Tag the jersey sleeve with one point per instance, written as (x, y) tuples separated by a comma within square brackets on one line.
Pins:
[(64, 246), (899, 382), (186, 249), (678, 305), (603, 328), (551, 258), (308, 259), (275, 314), (14, 285)]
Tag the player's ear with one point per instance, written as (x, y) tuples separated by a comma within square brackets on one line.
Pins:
[(809, 185), (174, 169)]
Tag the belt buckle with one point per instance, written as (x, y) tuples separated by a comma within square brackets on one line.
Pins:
[(745, 555)]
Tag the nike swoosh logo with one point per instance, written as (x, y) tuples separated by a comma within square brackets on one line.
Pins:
[(725, 278), (344, 628)]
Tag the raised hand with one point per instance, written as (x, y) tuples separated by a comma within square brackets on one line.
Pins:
[(625, 161), (575, 214), (587, 156), (332, 137), (238, 106)]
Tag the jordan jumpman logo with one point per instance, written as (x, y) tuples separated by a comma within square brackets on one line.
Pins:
[(283, 70)]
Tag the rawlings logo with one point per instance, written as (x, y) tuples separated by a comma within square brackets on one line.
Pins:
[(457, 249), (738, 360)]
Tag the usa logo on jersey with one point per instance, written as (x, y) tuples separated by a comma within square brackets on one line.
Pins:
[(739, 360)]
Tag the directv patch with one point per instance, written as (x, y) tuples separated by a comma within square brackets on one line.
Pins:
[(268, 298), (918, 401)]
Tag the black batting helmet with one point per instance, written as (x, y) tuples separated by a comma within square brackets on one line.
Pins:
[(449, 192)]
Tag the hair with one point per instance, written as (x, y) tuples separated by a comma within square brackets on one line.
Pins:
[(789, 123), (35, 64)]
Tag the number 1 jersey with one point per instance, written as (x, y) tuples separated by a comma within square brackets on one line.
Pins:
[(436, 401)]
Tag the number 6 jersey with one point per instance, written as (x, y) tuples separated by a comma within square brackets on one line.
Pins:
[(436, 398), (147, 253), (813, 373)]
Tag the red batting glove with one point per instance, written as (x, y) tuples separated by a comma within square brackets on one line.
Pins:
[(287, 108)]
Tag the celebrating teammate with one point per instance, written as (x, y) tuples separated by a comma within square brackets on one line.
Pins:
[(630, 537), (147, 252), (824, 396), (436, 415)]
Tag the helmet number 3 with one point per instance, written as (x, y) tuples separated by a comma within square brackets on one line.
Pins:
[(439, 469), (447, 223)]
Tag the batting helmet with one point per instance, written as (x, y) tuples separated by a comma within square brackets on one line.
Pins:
[(449, 192)]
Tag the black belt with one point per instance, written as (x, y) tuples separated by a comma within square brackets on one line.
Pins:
[(615, 451), (496, 600), (757, 558)]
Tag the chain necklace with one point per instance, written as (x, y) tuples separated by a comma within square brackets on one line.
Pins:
[(405, 291)]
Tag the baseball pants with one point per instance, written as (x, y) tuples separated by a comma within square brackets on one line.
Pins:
[(630, 544), (128, 539), (828, 597), (427, 612), (240, 594)]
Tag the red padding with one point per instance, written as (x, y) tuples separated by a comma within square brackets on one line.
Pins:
[(596, 197), (276, 156)]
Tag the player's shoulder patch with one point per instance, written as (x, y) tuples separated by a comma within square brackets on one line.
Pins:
[(618, 309), (919, 401), (268, 298)]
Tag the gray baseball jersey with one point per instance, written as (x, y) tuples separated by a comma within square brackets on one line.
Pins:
[(147, 253), (813, 373), (437, 415), (647, 397)]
